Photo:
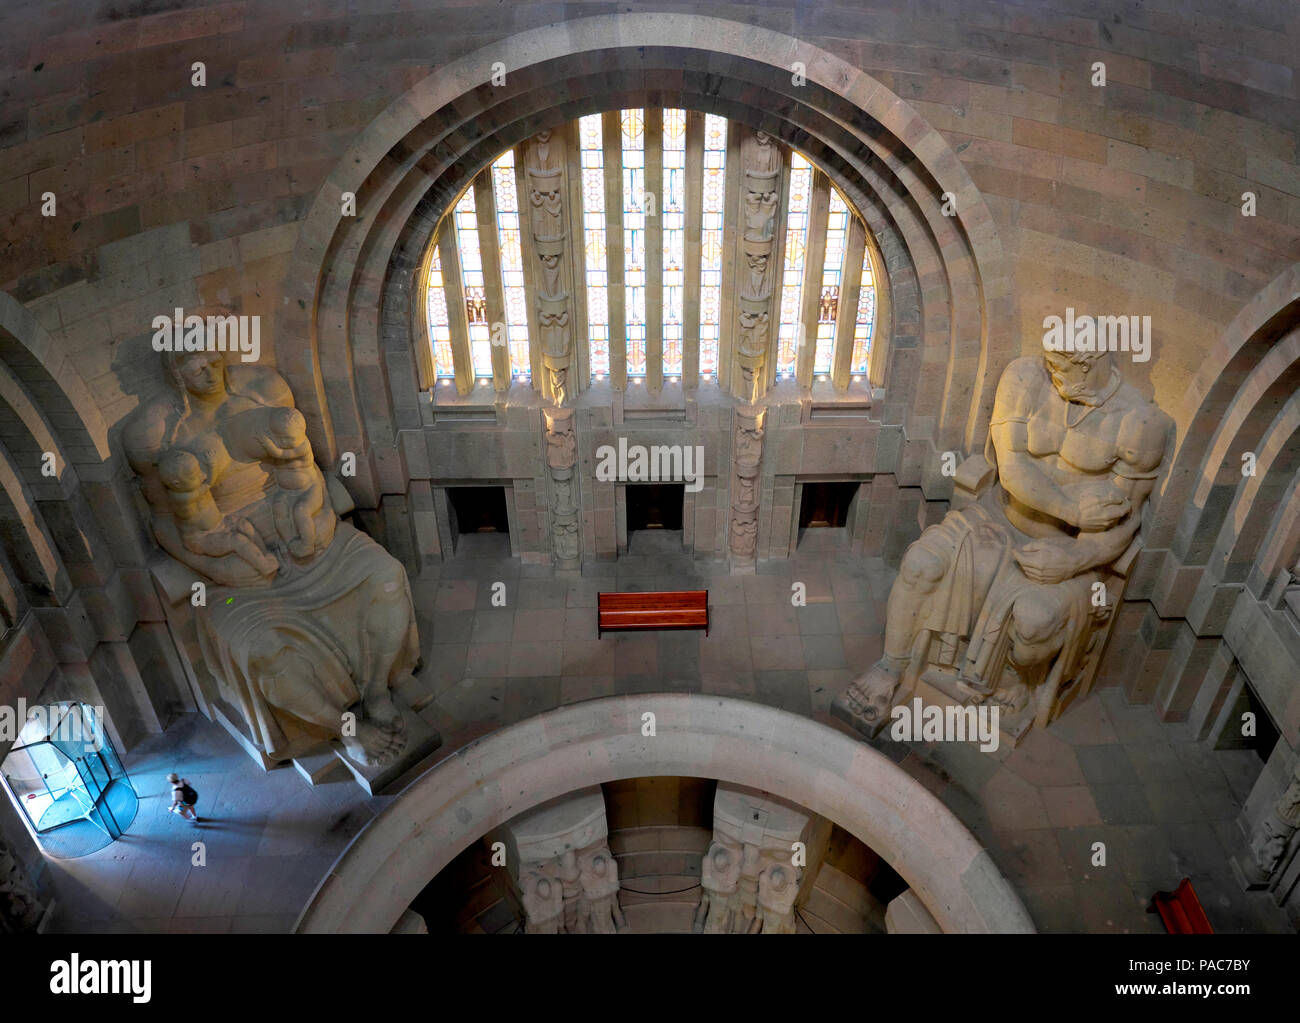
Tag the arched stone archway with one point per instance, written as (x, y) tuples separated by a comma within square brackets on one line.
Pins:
[(345, 332), (512, 770)]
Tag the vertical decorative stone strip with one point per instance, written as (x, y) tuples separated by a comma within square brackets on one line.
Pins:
[(561, 456), (1272, 835), (760, 191), (544, 169), (746, 454)]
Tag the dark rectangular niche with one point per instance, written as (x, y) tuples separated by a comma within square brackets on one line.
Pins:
[(655, 506), (478, 509), (826, 505)]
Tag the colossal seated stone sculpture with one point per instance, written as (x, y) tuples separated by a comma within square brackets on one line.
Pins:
[(1006, 597), (308, 623)]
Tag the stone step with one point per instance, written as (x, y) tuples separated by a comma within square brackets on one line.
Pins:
[(317, 768), (421, 742)]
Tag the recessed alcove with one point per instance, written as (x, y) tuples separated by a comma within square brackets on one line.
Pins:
[(655, 506), (478, 509)]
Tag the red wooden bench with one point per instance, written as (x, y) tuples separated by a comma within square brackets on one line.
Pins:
[(662, 609), (1180, 910)]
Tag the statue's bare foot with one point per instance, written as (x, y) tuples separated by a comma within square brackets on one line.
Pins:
[(374, 745), (381, 734), (867, 702)]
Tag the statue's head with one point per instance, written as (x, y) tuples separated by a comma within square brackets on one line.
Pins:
[(199, 373), (1079, 376), (288, 427), (180, 471)]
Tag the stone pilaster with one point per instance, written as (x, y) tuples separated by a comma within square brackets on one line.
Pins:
[(746, 454), (561, 456), (567, 877), (545, 174), (1272, 836), (750, 877), (757, 270)]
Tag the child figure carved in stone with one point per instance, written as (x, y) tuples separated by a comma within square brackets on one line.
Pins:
[(204, 530), (302, 486)]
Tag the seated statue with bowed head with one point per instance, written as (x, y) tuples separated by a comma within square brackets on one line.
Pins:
[(1000, 598), (308, 624)]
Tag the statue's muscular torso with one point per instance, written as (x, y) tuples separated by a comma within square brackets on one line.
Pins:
[(1076, 447)]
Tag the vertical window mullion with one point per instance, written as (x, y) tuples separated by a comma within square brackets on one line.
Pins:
[(837, 224), (592, 155), (634, 248), (714, 203), (444, 365), (465, 217), (510, 246), (673, 217), (796, 239)]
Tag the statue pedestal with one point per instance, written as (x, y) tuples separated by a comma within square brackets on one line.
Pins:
[(941, 689), (421, 741), (1246, 872)]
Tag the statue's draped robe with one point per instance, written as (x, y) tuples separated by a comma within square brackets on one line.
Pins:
[(317, 610)]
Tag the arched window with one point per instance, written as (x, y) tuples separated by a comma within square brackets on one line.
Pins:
[(650, 210)]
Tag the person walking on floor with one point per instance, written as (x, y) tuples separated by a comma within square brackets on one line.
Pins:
[(183, 799)]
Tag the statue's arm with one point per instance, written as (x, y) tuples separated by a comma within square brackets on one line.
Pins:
[(1144, 447), (1018, 390)]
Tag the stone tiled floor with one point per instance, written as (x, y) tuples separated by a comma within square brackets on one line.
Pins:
[(1163, 805), (268, 839)]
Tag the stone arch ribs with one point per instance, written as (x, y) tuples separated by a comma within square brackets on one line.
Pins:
[(354, 373), (1212, 524)]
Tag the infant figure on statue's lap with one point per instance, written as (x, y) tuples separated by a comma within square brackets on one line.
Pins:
[(278, 438), (203, 528)]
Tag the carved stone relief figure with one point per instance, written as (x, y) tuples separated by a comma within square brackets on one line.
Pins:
[(543, 899), (720, 905), (750, 883), (306, 619), (762, 169), (599, 875), (561, 455), (553, 325), (747, 452), (1273, 834), (998, 597), (760, 195), (568, 879), (20, 908), (544, 168), (550, 256), (756, 284)]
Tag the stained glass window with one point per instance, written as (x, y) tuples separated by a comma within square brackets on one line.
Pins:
[(715, 194), (506, 196), (865, 322), (591, 146), (439, 322), (830, 277), (471, 272), (796, 240), (674, 237), (634, 276), (837, 230)]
